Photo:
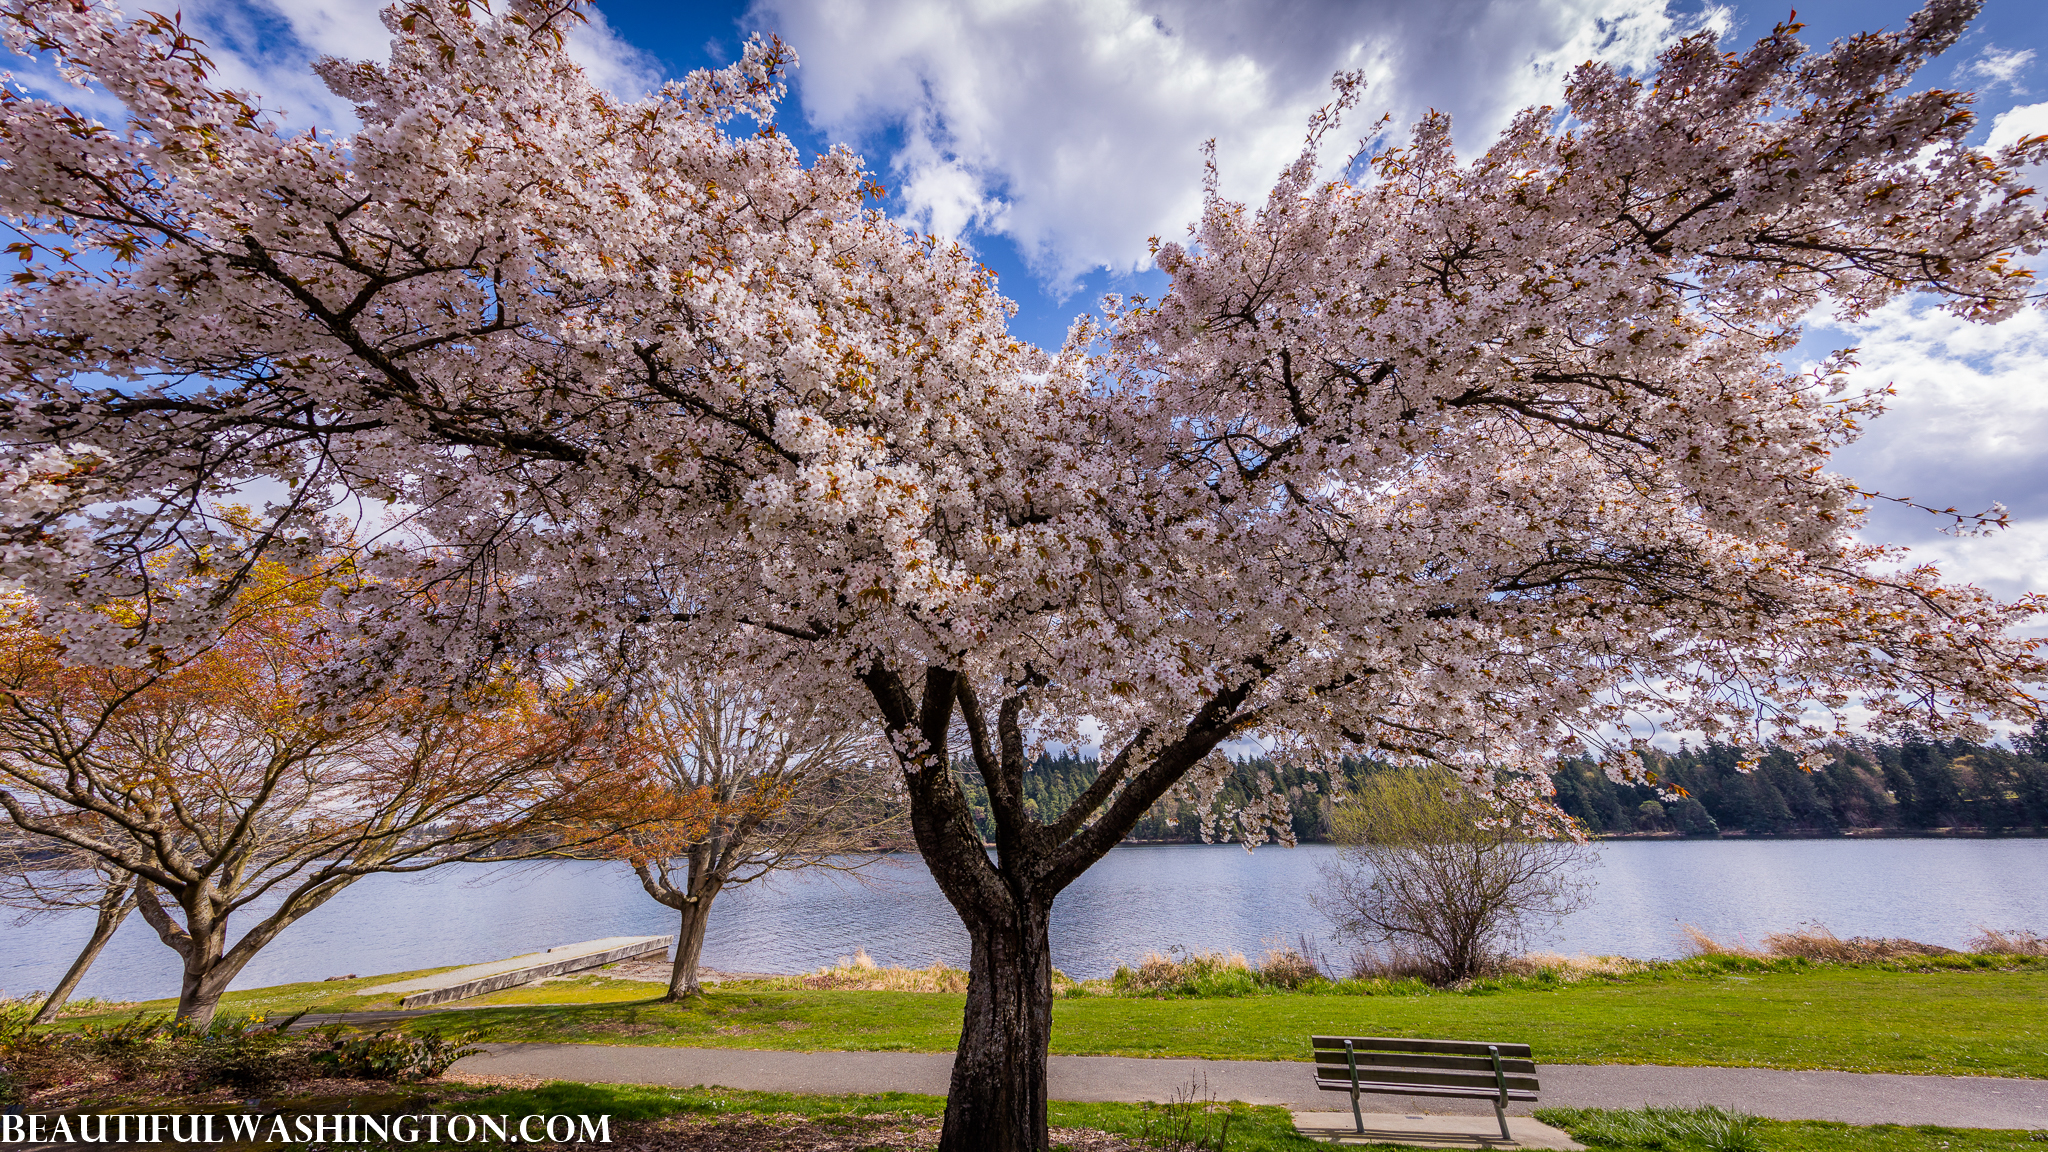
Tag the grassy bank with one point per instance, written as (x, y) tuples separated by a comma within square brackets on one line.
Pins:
[(1947, 1016)]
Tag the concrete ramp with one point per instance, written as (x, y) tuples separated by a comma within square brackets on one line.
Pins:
[(477, 979)]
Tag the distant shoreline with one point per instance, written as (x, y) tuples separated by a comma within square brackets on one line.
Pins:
[(1844, 834)]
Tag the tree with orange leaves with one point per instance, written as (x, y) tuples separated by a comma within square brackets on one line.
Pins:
[(729, 787), (226, 779)]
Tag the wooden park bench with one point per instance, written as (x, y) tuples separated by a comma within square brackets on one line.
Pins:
[(1466, 1068)]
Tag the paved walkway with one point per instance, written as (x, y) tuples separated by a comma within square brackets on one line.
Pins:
[(1858, 1098)]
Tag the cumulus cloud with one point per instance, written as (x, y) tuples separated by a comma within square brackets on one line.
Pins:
[(2016, 124), (265, 47), (1073, 127), (1967, 428), (1997, 67)]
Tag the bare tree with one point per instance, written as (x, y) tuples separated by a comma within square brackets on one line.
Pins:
[(733, 788), (1430, 868), (41, 877)]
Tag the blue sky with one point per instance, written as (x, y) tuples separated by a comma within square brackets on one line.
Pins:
[(679, 37), (1055, 136)]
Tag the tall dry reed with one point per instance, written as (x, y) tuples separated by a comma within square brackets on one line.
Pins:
[(1565, 968), (1814, 942), (2017, 942), (860, 973)]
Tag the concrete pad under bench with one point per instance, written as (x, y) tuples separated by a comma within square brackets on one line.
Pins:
[(1432, 1131), (477, 979)]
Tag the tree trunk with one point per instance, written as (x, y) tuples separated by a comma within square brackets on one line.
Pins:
[(114, 908), (682, 978), (205, 963), (997, 1100), (207, 974)]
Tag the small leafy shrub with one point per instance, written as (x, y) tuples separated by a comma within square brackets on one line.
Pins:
[(16, 1047), (136, 1047), (248, 1053), (1705, 1129), (387, 1055)]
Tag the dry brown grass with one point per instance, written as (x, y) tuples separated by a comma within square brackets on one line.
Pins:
[(2018, 942), (1569, 968), (860, 973), (1698, 943), (1286, 967), (1815, 942), (1391, 962), (1155, 973)]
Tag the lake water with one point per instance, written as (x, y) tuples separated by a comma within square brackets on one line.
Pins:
[(1137, 899)]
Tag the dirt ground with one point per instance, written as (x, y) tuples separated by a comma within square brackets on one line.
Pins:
[(791, 1133)]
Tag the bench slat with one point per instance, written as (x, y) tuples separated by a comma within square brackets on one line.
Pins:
[(1434, 1061), (1422, 1090), (1340, 1071), (1391, 1044), (1390, 1076)]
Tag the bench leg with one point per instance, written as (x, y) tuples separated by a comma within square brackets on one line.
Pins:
[(1500, 1102), (1351, 1057)]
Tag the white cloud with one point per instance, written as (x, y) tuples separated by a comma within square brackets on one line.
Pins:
[(266, 47), (611, 63), (1967, 428), (1073, 126), (2016, 124), (2007, 563), (1996, 66)]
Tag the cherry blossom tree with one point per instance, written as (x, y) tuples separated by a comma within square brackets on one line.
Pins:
[(1463, 462)]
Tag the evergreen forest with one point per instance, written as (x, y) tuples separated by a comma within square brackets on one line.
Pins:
[(1910, 785)]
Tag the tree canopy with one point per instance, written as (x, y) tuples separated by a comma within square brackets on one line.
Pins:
[(1470, 462)]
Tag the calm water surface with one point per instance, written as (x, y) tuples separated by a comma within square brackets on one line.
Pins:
[(1137, 899)]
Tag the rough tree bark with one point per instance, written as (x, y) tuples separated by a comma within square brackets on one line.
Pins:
[(208, 964), (682, 975), (701, 885), (999, 1071), (115, 904), (996, 1101)]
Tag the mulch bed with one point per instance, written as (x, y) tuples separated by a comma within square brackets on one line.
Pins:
[(786, 1132)]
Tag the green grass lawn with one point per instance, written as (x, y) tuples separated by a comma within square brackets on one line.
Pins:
[(1959, 1021), (1683, 1130), (1862, 1020)]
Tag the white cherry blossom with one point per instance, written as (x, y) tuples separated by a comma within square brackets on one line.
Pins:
[(1467, 461)]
